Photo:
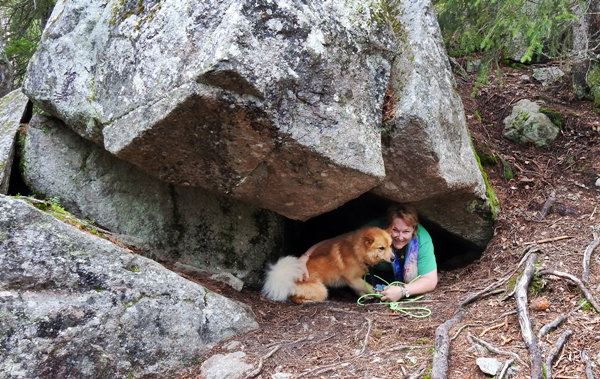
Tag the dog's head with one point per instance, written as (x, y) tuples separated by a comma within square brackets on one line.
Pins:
[(379, 246)]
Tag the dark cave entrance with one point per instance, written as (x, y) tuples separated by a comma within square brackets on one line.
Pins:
[(450, 251)]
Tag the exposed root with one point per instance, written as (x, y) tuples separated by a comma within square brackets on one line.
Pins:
[(586, 258), (439, 367), (505, 368), (578, 283), (556, 322), (529, 338), (494, 349), (555, 350)]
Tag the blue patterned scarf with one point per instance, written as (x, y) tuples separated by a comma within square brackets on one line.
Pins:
[(408, 270)]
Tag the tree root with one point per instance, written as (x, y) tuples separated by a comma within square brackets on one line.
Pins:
[(560, 342), (494, 349), (556, 322), (366, 341), (505, 368), (521, 288), (261, 362), (586, 258), (546, 207), (588, 365), (439, 367), (578, 283)]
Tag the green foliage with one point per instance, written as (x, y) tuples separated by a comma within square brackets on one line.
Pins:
[(587, 307), (495, 28), (25, 21), (537, 285)]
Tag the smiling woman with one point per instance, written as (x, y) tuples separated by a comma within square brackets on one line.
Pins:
[(415, 265)]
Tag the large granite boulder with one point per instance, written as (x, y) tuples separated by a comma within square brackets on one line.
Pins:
[(274, 103), (13, 107), (73, 305), (429, 159), (184, 225)]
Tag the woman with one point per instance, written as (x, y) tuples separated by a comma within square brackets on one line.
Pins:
[(413, 249)]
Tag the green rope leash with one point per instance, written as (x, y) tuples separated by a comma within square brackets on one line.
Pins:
[(416, 312)]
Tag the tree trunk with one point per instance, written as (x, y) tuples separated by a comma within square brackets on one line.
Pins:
[(585, 70)]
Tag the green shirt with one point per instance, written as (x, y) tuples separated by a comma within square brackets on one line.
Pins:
[(426, 261)]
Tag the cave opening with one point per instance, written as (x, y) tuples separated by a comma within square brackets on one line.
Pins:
[(451, 251)]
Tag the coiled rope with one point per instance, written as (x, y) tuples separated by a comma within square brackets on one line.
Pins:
[(397, 306)]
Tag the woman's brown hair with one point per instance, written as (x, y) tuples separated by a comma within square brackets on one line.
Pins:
[(404, 211)]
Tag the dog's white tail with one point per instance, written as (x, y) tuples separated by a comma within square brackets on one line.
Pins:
[(281, 278)]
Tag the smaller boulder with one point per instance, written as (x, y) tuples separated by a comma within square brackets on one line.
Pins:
[(528, 125), (489, 366), (548, 75)]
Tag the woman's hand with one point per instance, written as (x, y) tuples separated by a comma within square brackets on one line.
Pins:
[(392, 293), (426, 283), (304, 258)]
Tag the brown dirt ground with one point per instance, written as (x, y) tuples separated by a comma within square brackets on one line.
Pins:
[(340, 339)]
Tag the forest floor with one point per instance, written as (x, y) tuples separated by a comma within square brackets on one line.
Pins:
[(341, 339)]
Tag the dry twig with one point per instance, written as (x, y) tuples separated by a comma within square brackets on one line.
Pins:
[(560, 342), (521, 287), (439, 369), (546, 240), (492, 328), (578, 283)]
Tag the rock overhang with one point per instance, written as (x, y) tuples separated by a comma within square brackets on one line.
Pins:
[(273, 103)]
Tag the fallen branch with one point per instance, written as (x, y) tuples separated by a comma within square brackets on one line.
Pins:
[(577, 282), (521, 287), (560, 342), (557, 321), (588, 365), (505, 368), (586, 258), (546, 240), (439, 369), (492, 348)]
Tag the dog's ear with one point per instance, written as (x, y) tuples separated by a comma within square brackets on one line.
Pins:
[(389, 230), (369, 239)]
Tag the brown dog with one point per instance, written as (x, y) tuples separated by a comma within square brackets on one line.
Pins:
[(336, 262)]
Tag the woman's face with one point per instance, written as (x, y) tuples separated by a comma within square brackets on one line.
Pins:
[(401, 233)]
